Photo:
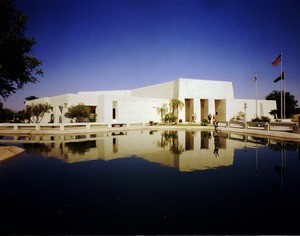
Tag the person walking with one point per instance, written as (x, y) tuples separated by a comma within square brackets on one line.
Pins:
[(209, 118), (193, 118)]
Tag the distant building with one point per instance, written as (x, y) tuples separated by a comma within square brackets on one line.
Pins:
[(202, 97)]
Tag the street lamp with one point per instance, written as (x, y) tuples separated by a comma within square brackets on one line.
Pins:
[(245, 108)]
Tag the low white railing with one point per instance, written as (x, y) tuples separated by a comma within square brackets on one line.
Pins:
[(268, 126)]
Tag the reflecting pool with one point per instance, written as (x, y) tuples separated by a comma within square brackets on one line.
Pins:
[(149, 182)]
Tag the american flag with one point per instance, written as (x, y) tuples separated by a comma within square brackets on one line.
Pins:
[(277, 60)]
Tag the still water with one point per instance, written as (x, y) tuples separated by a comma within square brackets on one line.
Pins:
[(150, 182)]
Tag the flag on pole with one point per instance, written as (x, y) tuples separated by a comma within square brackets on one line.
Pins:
[(277, 60), (279, 77), (255, 79)]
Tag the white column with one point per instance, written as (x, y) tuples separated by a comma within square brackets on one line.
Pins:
[(211, 107), (197, 109)]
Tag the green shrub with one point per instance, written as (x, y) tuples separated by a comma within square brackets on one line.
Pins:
[(256, 119), (79, 112), (93, 118), (265, 119), (204, 122), (170, 118), (261, 119)]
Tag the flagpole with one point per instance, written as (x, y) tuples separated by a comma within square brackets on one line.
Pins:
[(284, 98), (255, 76), (283, 88), (281, 77), (281, 92)]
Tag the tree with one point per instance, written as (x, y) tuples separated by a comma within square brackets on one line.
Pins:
[(290, 103), (31, 97), (17, 65), (273, 112), (175, 105), (79, 112), (37, 111), (6, 114), (20, 116), (162, 111)]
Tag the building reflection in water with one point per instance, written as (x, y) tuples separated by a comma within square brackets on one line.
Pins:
[(183, 150)]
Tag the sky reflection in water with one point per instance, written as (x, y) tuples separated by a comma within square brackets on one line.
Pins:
[(158, 182)]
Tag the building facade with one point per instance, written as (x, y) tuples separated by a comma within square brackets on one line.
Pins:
[(200, 97)]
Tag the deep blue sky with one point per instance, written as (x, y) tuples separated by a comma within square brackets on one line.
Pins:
[(89, 45)]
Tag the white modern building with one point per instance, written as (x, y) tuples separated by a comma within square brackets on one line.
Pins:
[(140, 105)]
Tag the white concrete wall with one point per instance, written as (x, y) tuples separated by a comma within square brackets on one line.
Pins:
[(164, 90), (101, 110), (203, 89), (86, 99), (132, 109), (113, 92), (263, 108)]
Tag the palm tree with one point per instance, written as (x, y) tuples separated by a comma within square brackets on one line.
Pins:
[(162, 111), (176, 104)]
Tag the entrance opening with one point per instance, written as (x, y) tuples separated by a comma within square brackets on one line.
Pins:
[(114, 110), (220, 108), (114, 113), (204, 108), (189, 109)]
